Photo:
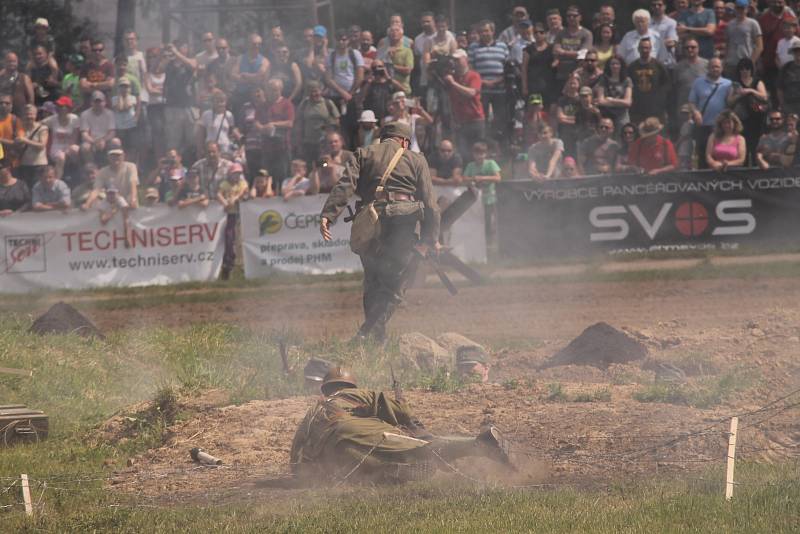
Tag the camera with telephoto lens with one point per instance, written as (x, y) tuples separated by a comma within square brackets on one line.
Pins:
[(441, 66)]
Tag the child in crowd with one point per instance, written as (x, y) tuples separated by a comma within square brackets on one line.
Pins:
[(112, 204), (83, 194), (262, 185), (192, 193), (232, 190), (71, 83), (150, 197), (175, 186), (485, 172), (298, 185)]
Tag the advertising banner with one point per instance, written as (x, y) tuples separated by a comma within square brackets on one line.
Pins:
[(74, 250), (284, 236), (635, 213)]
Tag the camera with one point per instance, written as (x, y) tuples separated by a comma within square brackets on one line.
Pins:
[(441, 66)]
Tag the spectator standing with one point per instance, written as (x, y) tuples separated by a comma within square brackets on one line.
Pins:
[(628, 135), (45, 77), (749, 101), (687, 70), (376, 93), (726, 146), (510, 35), (367, 130), (589, 73), (32, 146), (666, 27), (398, 58), (523, 41), (314, 57), (614, 92), (629, 46), (314, 115), (776, 148), (178, 121), (743, 39), (598, 154), (723, 15), (368, 51), (421, 42), (16, 83), (154, 84), (262, 185), (97, 128), (212, 169), (685, 143), (708, 98), (652, 153), (650, 83), (700, 23), (251, 71), (790, 38), (334, 159), (223, 66), (97, 73), (554, 25), (71, 82), (604, 45), (587, 117), (10, 130), (788, 83), (65, 133), (446, 165), (297, 185), (484, 172), (277, 129), (127, 111), (569, 168), (414, 115), (344, 74), (41, 37), (208, 53), (572, 41), (216, 125), (566, 114), (538, 74), (464, 91), (121, 175), (285, 69), (15, 195), (488, 57), (231, 191), (545, 155), (49, 193), (771, 23), (137, 65)]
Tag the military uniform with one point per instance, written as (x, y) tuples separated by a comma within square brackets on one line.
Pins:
[(407, 201), (356, 427)]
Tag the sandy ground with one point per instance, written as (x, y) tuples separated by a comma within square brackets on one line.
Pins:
[(707, 328)]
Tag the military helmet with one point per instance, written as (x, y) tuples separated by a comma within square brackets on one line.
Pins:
[(396, 129), (337, 378)]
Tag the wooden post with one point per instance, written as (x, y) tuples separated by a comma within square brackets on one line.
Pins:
[(26, 495), (731, 458)]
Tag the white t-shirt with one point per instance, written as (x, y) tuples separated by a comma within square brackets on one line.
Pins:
[(105, 205), (343, 71), (138, 67), (62, 137), (214, 125), (98, 124), (414, 147), (782, 54)]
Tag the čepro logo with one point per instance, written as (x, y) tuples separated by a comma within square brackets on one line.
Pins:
[(269, 222), (25, 254)]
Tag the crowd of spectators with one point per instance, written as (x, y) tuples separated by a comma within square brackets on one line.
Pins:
[(693, 87)]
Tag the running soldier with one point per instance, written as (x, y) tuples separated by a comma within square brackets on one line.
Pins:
[(405, 201)]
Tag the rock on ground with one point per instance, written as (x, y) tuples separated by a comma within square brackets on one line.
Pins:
[(424, 352)]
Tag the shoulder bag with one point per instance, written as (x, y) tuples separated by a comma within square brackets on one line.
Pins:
[(366, 224)]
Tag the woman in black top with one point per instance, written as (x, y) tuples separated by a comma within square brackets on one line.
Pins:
[(538, 76), (750, 101), (14, 194)]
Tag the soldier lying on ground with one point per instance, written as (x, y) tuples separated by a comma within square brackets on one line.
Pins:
[(366, 435)]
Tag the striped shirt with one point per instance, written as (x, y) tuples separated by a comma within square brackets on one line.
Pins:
[(489, 61)]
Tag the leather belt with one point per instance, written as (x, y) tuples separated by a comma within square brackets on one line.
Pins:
[(391, 196)]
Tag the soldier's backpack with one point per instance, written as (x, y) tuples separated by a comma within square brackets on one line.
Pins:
[(366, 226)]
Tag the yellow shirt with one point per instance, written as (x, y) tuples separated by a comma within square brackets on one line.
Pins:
[(230, 190)]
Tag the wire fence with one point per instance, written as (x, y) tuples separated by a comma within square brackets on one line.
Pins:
[(664, 452)]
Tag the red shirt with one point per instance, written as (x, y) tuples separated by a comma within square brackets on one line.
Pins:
[(466, 108), (772, 31), (652, 156), (281, 110)]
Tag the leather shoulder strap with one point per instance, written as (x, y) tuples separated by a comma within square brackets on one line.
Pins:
[(392, 165)]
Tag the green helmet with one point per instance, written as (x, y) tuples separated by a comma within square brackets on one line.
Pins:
[(337, 378)]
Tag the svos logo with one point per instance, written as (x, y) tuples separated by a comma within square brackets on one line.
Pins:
[(691, 220)]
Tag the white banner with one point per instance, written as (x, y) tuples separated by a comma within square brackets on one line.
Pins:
[(73, 250), (284, 235)]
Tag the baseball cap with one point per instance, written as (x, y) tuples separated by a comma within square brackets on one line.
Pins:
[(124, 81), (399, 95), (459, 53), (115, 151), (742, 3), (526, 23), (112, 189), (367, 116), (76, 59), (585, 90), (98, 95), (151, 192), (64, 101), (41, 21), (320, 31), (534, 99), (233, 169)]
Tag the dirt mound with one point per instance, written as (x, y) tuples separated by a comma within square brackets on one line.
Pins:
[(600, 345), (62, 318)]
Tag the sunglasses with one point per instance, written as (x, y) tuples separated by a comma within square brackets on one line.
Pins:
[(97, 49)]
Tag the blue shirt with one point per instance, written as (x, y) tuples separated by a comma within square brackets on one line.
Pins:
[(692, 19), (489, 61), (703, 90)]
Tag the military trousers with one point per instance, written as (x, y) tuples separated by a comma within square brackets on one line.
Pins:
[(387, 271)]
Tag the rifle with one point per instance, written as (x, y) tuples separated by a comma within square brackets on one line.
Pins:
[(433, 261), (398, 391)]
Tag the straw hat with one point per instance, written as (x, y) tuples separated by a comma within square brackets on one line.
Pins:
[(649, 127)]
